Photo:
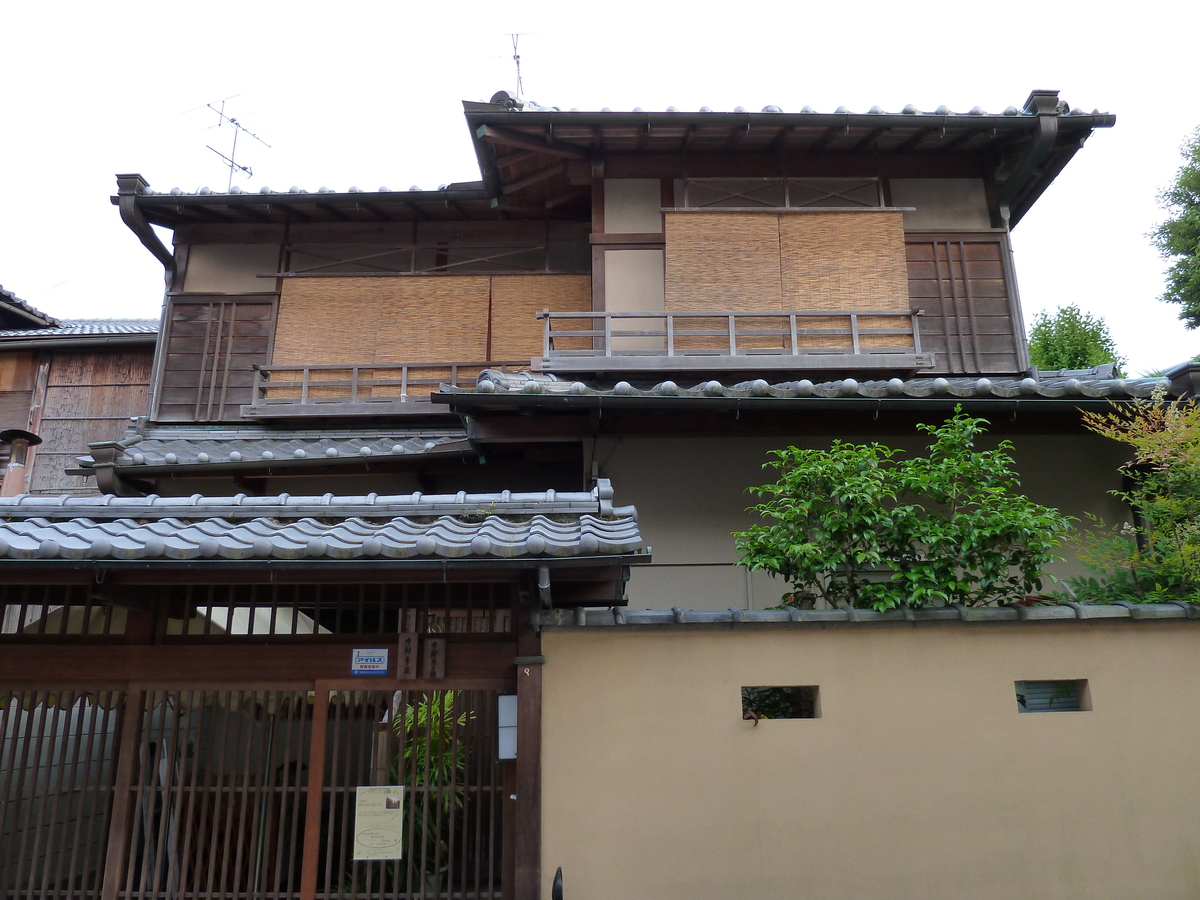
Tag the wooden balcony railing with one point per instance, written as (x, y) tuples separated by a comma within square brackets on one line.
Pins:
[(370, 388), (695, 339)]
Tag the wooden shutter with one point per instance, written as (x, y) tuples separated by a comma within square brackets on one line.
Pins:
[(210, 347), (962, 284)]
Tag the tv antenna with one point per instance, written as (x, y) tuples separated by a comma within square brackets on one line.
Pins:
[(238, 129), (517, 60)]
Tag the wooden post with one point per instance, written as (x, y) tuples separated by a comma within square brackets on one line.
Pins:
[(528, 836), (119, 821), (316, 791)]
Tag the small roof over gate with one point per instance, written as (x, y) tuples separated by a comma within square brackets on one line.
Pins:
[(532, 529)]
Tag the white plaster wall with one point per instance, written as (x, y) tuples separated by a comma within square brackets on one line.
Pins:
[(633, 282), (632, 206), (949, 203), (230, 268)]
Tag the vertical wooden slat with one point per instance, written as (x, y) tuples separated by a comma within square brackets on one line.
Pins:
[(91, 785), (119, 820), (937, 273), (208, 325), (527, 876), (971, 320), (316, 789), (227, 363)]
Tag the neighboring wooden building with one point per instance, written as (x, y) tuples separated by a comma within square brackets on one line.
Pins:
[(68, 383), (388, 420)]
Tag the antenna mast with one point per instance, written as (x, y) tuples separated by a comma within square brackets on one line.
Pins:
[(238, 128), (517, 60)]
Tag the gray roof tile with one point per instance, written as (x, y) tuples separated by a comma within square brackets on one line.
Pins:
[(19, 306), (85, 328), (451, 526), (245, 447), (620, 617), (1081, 384)]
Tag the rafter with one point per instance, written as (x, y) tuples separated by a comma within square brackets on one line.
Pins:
[(535, 178), (527, 142)]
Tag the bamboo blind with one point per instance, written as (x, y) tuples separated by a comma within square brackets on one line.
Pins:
[(516, 299), (326, 321), (767, 260), (722, 261)]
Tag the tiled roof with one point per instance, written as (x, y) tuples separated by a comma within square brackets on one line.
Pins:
[(1072, 385), (20, 307), (86, 327), (244, 447), (452, 526), (308, 538), (734, 617)]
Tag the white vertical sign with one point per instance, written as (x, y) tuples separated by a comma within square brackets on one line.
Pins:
[(379, 822)]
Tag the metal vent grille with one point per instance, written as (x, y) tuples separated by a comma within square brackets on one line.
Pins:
[(1050, 696)]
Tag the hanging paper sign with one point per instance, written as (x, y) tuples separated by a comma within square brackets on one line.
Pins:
[(372, 661), (379, 822)]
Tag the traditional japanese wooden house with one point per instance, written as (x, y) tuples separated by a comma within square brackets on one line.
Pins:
[(388, 420)]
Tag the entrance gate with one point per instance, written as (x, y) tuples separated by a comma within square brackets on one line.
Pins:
[(243, 786)]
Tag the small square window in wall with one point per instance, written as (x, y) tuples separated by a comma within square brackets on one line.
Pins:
[(1071, 695), (796, 702)]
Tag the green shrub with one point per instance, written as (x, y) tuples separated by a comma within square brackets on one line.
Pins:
[(1158, 558), (856, 525)]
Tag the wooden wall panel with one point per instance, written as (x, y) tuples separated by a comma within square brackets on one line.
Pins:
[(212, 343), (722, 261), (516, 300), (16, 389), (962, 285), (90, 396)]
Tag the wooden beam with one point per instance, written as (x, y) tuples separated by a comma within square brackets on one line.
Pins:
[(528, 142), (535, 178), (780, 141), (739, 135), (573, 194), (333, 211), (954, 143), (920, 135), (527, 877), (503, 162), (650, 238), (872, 135), (119, 819), (417, 211), (374, 210), (821, 142)]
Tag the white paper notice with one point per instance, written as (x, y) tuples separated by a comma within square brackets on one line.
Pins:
[(379, 822)]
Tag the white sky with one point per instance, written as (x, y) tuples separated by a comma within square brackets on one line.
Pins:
[(368, 94)]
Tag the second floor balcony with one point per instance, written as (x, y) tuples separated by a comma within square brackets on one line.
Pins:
[(724, 340)]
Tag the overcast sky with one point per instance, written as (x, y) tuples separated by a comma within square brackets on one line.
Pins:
[(368, 94)]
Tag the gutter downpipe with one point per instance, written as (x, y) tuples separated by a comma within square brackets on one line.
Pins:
[(128, 188), (1045, 104)]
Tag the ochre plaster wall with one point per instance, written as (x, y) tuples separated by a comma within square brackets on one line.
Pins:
[(920, 781), (691, 494)]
